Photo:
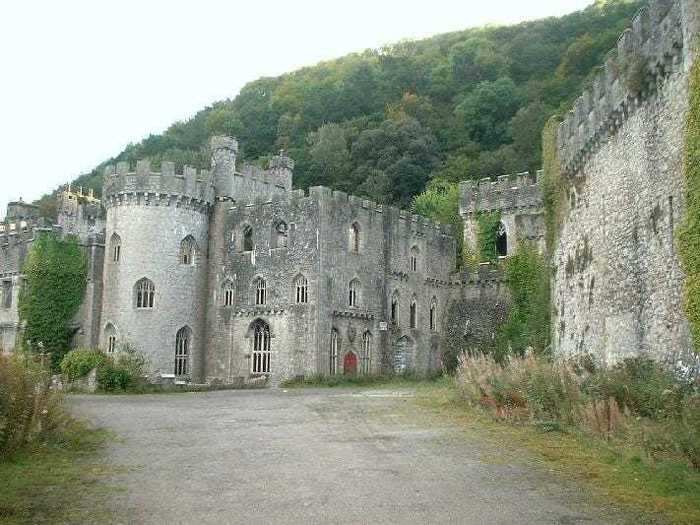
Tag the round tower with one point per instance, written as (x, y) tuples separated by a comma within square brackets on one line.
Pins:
[(155, 270)]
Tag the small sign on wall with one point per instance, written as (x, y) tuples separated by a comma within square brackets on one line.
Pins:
[(383, 326)]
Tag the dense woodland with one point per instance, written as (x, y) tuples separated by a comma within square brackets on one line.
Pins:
[(386, 122)]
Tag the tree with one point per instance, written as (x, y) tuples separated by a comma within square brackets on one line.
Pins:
[(440, 202), (330, 156)]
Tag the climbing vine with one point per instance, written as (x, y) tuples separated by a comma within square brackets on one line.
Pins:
[(689, 232), (55, 273), (528, 323), (554, 185), (488, 230)]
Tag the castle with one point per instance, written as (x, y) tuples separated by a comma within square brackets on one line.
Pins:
[(230, 274)]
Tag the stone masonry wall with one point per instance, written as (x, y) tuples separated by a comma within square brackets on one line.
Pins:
[(617, 290)]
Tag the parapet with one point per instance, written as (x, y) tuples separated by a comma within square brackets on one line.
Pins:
[(144, 186), (645, 55), (506, 193)]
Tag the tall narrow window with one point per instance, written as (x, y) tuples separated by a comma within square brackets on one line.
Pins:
[(116, 244), (228, 293), (248, 239), (414, 313), (501, 241), (414, 259), (353, 292), (7, 294), (301, 289), (279, 235), (188, 250), (333, 353), (183, 342), (355, 237), (260, 291), (261, 347), (366, 356), (433, 314), (395, 308), (111, 338), (145, 293)]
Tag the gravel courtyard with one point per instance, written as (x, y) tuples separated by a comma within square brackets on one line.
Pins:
[(315, 456)]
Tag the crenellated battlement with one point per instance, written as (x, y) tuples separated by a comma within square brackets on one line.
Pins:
[(144, 186), (646, 54), (506, 193)]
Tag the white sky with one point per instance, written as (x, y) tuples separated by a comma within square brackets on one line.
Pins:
[(79, 80)]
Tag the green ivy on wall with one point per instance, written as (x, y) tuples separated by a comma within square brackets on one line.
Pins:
[(487, 223), (689, 232), (56, 275)]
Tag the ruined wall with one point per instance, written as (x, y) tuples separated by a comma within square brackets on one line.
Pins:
[(617, 290)]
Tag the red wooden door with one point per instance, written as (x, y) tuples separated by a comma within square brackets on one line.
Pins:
[(350, 364)]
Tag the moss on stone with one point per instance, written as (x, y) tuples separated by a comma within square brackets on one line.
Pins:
[(488, 230), (689, 232)]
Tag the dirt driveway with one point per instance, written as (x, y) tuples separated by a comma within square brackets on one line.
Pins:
[(315, 456)]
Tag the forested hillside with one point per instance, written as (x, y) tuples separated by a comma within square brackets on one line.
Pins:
[(383, 122)]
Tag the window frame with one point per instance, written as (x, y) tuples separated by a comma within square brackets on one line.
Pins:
[(261, 354), (145, 294), (183, 347)]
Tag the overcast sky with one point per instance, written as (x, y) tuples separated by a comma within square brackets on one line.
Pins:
[(79, 80)]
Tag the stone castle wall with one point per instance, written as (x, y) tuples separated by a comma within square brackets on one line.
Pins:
[(617, 290)]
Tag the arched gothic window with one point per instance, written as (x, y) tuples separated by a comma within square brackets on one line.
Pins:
[(333, 353), (116, 247), (188, 251), (433, 314), (280, 234), (260, 291), (111, 338), (395, 308), (261, 348), (301, 290), (366, 355), (354, 240), (414, 313), (183, 343), (414, 258), (501, 241), (353, 292), (248, 238), (145, 293), (228, 293)]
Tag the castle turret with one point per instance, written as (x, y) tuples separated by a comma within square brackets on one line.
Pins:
[(224, 151), (281, 169), (156, 264)]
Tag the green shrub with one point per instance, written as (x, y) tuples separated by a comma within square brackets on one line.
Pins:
[(124, 371), (28, 409), (78, 363)]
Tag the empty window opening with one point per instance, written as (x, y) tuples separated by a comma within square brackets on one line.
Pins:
[(355, 238), (116, 242), (188, 250), (228, 293), (433, 314), (111, 338), (414, 258), (333, 353), (248, 239), (261, 348), (301, 288), (260, 291), (501, 241), (366, 356), (145, 293), (353, 292), (280, 234), (7, 294), (414, 313), (183, 342)]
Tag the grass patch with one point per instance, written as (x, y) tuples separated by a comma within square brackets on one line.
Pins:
[(355, 381), (56, 481), (614, 471)]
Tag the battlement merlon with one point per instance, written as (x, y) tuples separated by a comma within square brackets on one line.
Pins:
[(663, 39), (192, 184), (508, 192)]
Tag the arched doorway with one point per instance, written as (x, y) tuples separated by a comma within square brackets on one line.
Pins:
[(501, 241), (350, 364), (261, 356)]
